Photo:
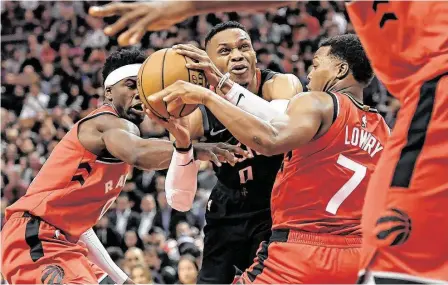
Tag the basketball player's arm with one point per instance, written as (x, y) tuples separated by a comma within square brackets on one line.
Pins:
[(146, 154), (298, 126), (276, 95), (99, 256), (160, 15)]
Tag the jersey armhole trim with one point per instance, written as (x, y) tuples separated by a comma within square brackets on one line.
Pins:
[(111, 160), (205, 122), (335, 106)]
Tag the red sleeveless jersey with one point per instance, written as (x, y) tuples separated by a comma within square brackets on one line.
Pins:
[(74, 187), (321, 186), (405, 46)]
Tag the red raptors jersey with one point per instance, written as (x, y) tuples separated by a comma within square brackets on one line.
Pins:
[(321, 186), (74, 187), (405, 46)]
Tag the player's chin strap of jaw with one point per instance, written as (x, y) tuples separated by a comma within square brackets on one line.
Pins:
[(251, 103), (99, 256), (182, 178)]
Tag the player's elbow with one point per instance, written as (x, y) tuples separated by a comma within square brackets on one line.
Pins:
[(266, 143), (268, 150)]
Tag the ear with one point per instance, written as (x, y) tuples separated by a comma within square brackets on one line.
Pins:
[(343, 70), (108, 93)]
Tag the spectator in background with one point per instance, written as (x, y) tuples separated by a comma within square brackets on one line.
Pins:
[(149, 210), (183, 229), (123, 218), (131, 239), (153, 260), (35, 103), (141, 275), (108, 236), (187, 270), (133, 257)]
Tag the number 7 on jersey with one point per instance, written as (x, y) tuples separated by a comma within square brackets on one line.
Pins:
[(347, 189)]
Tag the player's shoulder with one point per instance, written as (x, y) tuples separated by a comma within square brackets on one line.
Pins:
[(108, 121), (317, 99), (281, 86)]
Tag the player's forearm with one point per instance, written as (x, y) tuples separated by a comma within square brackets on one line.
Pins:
[(153, 154), (202, 7), (99, 256), (257, 106), (251, 131), (181, 180)]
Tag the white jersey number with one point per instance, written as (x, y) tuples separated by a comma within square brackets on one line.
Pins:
[(347, 189), (106, 207), (246, 174)]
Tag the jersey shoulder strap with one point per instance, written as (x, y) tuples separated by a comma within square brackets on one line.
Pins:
[(265, 75), (210, 122)]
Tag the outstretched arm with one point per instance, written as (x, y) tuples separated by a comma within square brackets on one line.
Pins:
[(99, 256), (299, 125), (146, 154), (160, 15), (296, 127)]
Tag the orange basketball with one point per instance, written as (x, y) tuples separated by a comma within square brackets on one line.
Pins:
[(160, 70)]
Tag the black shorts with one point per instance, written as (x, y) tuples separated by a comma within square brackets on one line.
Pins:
[(231, 243)]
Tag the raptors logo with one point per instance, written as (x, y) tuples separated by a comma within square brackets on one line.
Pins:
[(53, 275), (394, 228)]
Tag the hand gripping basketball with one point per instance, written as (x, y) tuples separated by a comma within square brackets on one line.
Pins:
[(201, 61)]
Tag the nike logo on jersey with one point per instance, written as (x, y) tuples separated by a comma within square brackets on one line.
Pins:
[(239, 98), (214, 133)]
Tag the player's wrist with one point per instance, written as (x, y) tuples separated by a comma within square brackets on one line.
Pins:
[(182, 146)]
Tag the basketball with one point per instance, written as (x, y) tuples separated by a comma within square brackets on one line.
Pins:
[(160, 70)]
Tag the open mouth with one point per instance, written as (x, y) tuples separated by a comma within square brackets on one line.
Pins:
[(137, 109), (239, 69)]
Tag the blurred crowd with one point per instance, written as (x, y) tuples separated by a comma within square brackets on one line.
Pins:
[(52, 55)]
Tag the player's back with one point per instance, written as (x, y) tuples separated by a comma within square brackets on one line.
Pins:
[(74, 187), (321, 186), (405, 46)]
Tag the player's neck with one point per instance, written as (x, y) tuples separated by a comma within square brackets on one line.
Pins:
[(354, 90), (253, 84)]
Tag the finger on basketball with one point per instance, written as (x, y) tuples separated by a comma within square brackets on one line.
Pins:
[(174, 105), (187, 47), (191, 54), (154, 117), (196, 65), (171, 97)]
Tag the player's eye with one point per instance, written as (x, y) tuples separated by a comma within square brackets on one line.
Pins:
[(224, 51), (245, 46)]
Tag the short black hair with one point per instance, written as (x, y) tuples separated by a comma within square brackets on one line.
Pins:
[(222, 27), (121, 58), (349, 49)]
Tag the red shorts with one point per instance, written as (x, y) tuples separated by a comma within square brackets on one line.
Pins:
[(405, 227), (34, 252), (293, 257)]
